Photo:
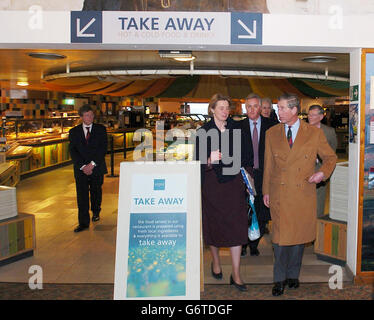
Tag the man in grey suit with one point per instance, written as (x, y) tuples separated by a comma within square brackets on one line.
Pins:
[(315, 116)]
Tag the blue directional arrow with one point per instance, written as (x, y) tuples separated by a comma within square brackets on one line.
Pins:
[(86, 26), (246, 28)]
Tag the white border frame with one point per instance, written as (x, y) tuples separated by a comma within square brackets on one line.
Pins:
[(192, 171)]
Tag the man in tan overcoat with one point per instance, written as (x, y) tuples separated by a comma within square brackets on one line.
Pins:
[(289, 187)]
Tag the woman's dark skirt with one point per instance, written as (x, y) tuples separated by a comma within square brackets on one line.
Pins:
[(224, 211)]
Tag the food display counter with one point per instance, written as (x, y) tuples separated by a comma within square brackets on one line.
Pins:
[(173, 120), (38, 129), (38, 144), (119, 136)]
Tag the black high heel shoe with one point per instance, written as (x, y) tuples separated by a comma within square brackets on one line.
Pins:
[(217, 276), (240, 287)]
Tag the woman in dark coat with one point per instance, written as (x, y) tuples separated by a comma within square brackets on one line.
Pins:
[(224, 208)]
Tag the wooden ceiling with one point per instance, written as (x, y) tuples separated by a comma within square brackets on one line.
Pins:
[(16, 64)]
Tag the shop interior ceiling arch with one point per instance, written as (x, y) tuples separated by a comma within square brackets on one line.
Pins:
[(199, 86)]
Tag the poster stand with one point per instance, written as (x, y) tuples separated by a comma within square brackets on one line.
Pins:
[(158, 250)]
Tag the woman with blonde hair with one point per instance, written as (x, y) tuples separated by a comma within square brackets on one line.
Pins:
[(224, 208)]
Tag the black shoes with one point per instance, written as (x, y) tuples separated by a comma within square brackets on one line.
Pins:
[(217, 276), (244, 251), (84, 227), (293, 283), (240, 287), (254, 252), (278, 288), (80, 228)]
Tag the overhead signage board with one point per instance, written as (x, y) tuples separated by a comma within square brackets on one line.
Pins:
[(208, 28), (198, 30), (158, 231), (163, 28)]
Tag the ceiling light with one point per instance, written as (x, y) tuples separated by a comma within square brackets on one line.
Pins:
[(46, 55), (176, 54), (319, 59), (185, 59), (22, 83)]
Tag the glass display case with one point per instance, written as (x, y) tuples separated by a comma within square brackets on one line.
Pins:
[(185, 121), (38, 143), (37, 129)]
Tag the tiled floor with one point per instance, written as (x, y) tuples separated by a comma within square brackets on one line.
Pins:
[(259, 270), (65, 256), (89, 257)]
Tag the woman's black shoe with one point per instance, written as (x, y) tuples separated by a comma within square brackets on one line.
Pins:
[(240, 287), (217, 276)]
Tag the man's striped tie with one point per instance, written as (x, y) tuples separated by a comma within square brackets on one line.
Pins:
[(289, 136)]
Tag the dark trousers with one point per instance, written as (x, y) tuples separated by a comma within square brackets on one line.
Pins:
[(287, 262), (88, 188)]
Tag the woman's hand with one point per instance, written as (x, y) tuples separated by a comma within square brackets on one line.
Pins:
[(215, 156)]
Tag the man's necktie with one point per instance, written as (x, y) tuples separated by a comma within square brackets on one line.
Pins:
[(88, 134), (255, 145), (289, 136)]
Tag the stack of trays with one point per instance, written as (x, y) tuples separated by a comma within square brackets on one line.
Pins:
[(8, 202), (339, 193)]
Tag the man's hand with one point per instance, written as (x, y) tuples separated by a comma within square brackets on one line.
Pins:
[(316, 177), (266, 199), (88, 169)]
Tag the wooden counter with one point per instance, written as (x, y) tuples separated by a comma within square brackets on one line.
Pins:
[(17, 238), (331, 240), (9, 173)]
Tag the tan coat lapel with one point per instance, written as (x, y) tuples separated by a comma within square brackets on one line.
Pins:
[(301, 139), (281, 141)]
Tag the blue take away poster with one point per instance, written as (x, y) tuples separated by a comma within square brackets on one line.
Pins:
[(157, 255)]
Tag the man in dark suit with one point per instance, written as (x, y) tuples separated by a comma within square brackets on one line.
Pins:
[(315, 116), (267, 110), (254, 127), (88, 146)]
